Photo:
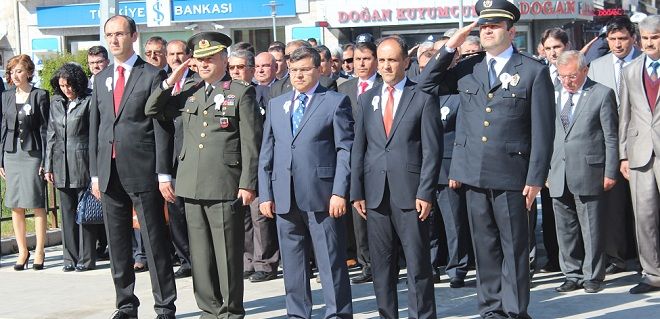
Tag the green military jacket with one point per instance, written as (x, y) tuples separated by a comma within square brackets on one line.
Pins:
[(221, 137)]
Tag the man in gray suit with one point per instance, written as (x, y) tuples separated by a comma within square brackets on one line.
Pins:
[(304, 177), (584, 164), (638, 147), (394, 165), (607, 70)]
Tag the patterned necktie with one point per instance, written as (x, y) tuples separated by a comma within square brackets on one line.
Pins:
[(363, 87), (492, 76), (298, 113), (557, 81), (388, 117), (565, 114), (619, 72), (654, 70), (119, 88)]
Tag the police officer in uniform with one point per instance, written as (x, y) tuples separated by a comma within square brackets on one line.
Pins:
[(502, 150), (217, 172)]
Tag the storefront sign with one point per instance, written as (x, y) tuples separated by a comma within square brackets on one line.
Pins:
[(87, 15), (159, 13), (378, 13)]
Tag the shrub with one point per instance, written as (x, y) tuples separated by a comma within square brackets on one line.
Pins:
[(54, 62)]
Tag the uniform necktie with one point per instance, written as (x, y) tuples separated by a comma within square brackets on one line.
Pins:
[(492, 76), (654, 70), (298, 113), (209, 89), (119, 88), (389, 111), (619, 73), (566, 111), (363, 87)]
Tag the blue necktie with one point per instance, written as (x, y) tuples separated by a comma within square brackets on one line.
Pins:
[(654, 70), (492, 76), (298, 113)]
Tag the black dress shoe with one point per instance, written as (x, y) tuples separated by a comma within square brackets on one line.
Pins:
[(457, 282), (362, 278), (121, 315), (436, 275), (613, 269), (183, 273), (550, 267), (163, 316), (68, 268), (592, 286), (642, 288), (260, 276), (247, 274), (81, 268), (567, 286)]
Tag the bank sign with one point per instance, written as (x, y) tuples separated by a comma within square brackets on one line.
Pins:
[(349, 13), (87, 15)]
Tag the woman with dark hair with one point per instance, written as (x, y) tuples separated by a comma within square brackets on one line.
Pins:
[(67, 162), (24, 126)]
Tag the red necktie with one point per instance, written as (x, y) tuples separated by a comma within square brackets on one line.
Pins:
[(177, 87), (119, 88), (363, 87), (389, 111)]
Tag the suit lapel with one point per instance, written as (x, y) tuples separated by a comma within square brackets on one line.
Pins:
[(317, 98), (404, 102), (511, 67), (133, 79), (581, 104)]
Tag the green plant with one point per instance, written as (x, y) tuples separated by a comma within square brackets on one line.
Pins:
[(54, 62)]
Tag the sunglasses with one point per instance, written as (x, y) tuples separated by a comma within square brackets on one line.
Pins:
[(239, 67), (349, 60)]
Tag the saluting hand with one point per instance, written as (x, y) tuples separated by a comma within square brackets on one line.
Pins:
[(459, 37), (177, 73)]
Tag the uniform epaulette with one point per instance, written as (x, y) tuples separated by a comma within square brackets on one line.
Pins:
[(473, 54), (531, 57), (242, 82)]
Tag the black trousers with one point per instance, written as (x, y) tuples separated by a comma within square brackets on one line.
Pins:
[(78, 241), (179, 230), (451, 203), (118, 216), (499, 225), (262, 251)]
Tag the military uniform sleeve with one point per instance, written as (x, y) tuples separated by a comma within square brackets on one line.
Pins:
[(251, 130), (435, 79)]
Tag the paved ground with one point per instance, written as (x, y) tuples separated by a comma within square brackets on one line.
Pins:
[(52, 293)]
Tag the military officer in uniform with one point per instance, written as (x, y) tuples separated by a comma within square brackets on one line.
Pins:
[(502, 150), (217, 172)]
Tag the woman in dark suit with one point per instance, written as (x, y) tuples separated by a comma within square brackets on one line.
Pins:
[(67, 162), (24, 126)]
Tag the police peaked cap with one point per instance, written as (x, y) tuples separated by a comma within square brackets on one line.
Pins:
[(493, 11)]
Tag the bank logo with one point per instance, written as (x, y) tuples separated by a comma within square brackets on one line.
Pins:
[(159, 13)]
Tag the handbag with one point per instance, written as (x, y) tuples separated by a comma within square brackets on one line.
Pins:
[(89, 209)]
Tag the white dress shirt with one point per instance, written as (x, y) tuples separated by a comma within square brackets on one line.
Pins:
[(128, 67), (398, 91), (626, 61), (501, 59), (576, 99)]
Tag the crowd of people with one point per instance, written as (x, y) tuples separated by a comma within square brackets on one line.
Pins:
[(231, 163)]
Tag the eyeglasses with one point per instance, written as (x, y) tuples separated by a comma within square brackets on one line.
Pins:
[(301, 70), (349, 60), (569, 77), (153, 53), (118, 35), (238, 66)]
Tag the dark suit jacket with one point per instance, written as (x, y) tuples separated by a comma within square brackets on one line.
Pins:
[(133, 134), (451, 103), (588, 150), (350, 88), (315, 163), (504, 136), (263, 97), (283, 85), (409, 159), (67, 151), (31, 132)]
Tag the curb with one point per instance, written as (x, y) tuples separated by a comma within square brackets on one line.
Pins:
[(53, 238)]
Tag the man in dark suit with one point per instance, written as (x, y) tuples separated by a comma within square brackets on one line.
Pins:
[(585, 164), (284, 84), (608, 70), (397, 126), (304, 176), (502, 149), (217, 169), (123, 143), (177, 53), (366, 65)]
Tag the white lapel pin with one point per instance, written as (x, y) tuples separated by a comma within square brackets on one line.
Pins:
[(444, 111), (218, 99), (515, 79), (27, 109), (505, 78), (287, 105), (108, 84), (375, 102)]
